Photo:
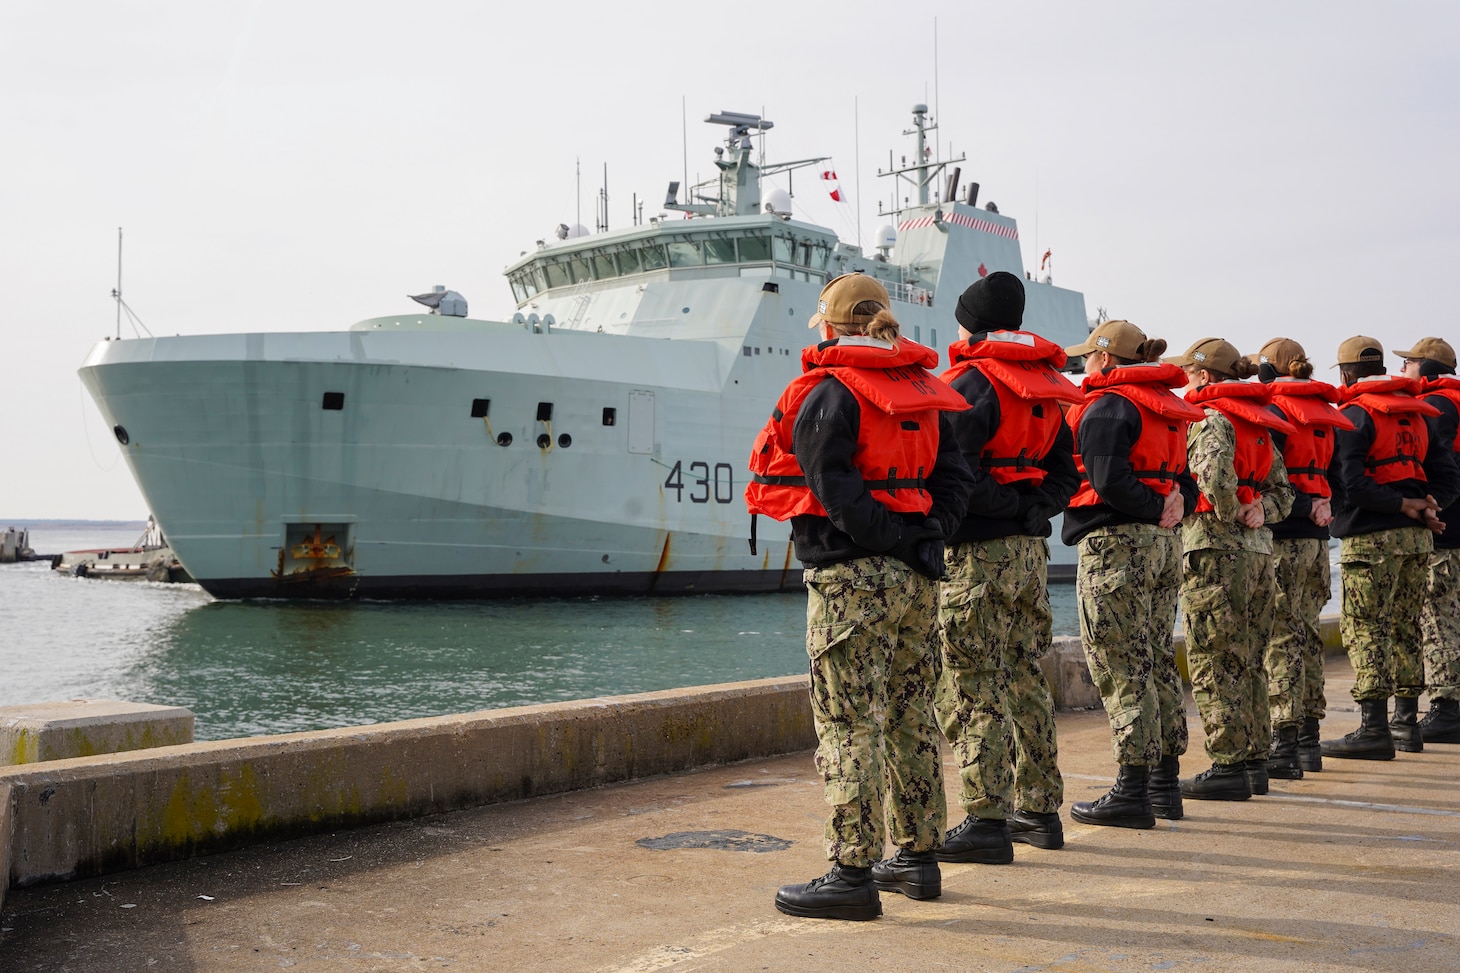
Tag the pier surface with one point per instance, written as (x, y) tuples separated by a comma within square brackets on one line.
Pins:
[(1353, 868)]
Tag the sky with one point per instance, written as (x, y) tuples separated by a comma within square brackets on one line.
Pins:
[(1243, 170)]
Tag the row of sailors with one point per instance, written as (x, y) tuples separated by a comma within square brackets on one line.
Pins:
[(920, 507)]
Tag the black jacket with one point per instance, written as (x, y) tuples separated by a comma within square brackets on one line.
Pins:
[(1003, 510), (824, 441), (1109, 429), (1363, 506)]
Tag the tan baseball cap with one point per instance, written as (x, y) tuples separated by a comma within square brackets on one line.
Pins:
[(1216, 354), (1280, 353), (842, 294), (1434, 349), (1359, 349), (1119, 338)]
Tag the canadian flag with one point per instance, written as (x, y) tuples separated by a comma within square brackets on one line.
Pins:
[(833, 189)]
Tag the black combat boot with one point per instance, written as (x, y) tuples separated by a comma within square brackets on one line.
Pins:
[(1256, 771), (1371, 741), (1283, 762), (1042, 829), (1310, 753), (1165, 788), (985, 841), (1442, 723), (913, 873), (1404, 728), (1219, 782), (1126, 805), (842, 893)]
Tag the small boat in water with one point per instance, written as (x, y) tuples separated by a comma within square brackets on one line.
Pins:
[(594, 442), (150, 559)]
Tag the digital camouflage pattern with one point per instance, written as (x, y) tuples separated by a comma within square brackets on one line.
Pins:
[(1211, 446), (1294, 660), (1227, 605), (873, 647), (1383, 576), (993, 702), (1128, 579), (1440, 625)]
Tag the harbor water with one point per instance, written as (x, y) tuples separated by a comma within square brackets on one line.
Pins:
[(247, 668)]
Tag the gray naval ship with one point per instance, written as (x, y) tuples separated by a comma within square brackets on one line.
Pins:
[(595, 443)]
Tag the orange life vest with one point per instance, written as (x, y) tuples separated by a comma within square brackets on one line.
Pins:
[(1449, 387), (1401, 437), (1159, 453), (1309, 450), (1242, 403), (1023, 368), (897, 439)]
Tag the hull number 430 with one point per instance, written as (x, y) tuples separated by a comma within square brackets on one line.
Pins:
[(701, 483)]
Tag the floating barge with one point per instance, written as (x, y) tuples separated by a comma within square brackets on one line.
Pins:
[(150, 559)]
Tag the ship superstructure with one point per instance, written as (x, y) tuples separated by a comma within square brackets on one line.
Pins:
[(595, 443)]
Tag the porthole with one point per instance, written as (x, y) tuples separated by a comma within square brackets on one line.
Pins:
[(544, 441), (565, 440), (121, 433), (504, 439), (684, 310)]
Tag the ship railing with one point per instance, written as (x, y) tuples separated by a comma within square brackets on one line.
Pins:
[(909, 293)]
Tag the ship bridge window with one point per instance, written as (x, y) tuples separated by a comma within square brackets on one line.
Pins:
[(603, 267), (652, 257), (557, 274), (820, 257), (719, 249), (580, 270), (685, 253), (755, 247), (782, 249), (519, 290), (628, 261)]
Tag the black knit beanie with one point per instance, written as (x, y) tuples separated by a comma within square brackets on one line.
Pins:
[(992, 303)]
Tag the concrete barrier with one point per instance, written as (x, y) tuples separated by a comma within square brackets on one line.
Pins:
[(6, 817), (86, 727), (89, 816)]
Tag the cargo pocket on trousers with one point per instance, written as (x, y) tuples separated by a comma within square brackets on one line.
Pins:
[(1207, 609), (820, 639)]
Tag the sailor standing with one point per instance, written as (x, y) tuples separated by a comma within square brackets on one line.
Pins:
[(1227, 586), (1130, 446), (855, 458), (993, 702), (1432, 363), (1303, 578), (1390, 481)]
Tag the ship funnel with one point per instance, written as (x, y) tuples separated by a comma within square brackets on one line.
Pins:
[(952, 187), (972, 199)]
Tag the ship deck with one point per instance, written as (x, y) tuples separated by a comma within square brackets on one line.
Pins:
[(1352, 868)]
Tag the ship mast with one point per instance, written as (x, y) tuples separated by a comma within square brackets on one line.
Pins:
[(924, 169)]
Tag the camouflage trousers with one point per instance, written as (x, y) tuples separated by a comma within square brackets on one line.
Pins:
[(1127, 583), (1440, 625), (1227, 605), (1383, 577), (872, 638), (993, 702), (1294, 658)]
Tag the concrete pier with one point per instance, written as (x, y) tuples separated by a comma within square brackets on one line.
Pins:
[(1349, 869)]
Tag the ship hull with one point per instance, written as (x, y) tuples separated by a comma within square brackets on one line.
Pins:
[(402, 493)]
